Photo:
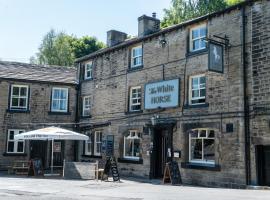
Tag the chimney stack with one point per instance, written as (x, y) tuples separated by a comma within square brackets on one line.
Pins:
[(115, 37), (148, 25)]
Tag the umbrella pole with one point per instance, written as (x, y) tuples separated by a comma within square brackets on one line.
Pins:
[(52, 159)]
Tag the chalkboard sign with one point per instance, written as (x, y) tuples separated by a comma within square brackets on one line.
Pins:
[(111, 165), (172, 173), (110, 145), (35, 168)]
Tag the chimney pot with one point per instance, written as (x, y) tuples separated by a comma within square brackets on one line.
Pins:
[(154, 15), (148, 25)]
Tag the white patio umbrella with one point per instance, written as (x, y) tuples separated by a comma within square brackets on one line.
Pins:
[(51, 133)]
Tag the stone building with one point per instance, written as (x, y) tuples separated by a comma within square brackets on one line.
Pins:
[(33, 97), (184, 93)]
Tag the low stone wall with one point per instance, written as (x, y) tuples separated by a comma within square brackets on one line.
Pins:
[(80, 170)]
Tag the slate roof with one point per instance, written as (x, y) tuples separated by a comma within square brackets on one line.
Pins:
[(37, 73), (163, 31)]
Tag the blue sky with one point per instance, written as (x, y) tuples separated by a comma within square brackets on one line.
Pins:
[(23, 23)]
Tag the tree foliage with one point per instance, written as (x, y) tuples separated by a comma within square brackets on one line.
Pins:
[(183, 10), (62, 49)]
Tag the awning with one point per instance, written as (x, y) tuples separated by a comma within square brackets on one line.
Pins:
[(51, 133)]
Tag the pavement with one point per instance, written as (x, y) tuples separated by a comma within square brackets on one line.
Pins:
[(26, 188)]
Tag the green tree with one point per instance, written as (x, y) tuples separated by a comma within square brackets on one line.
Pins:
[(233, 2), (85, 45), (62, 49), (183, 10)]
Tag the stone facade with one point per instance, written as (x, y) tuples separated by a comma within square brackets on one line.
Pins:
[(165, 57), (260, 90), (38, 114)]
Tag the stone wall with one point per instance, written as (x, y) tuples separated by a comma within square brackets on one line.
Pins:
[(109, 92), (37, 117), (260, 85)]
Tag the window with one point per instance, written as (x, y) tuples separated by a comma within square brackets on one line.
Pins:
[(88, 145), (86, 106), (14, 146), (136, 56), (98, 143), (135, 99), (197, 91), (59, 100), (197, 36), (88, 74), (19, 97), (202, 146), (94, 144), (132, 145)]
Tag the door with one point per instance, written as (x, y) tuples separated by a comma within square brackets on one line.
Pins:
[(38, 149), (161, 152), (263, 165), (58, 153)]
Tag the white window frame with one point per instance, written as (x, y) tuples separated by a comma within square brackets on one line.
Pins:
[(90, 69), (137, 98), (202, 161), (97, 133), (130, 137), (16, 132), (19, 97), (191, 40), (136, 56), (52, 99), (88, 142), (199, 88), (86, 107)]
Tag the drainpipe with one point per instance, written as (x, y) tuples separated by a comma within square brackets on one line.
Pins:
[(246, 104), (77, 115)]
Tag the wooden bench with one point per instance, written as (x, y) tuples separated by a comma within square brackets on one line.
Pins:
[(20, 167)]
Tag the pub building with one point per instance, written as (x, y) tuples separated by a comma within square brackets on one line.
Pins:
[(190, 93), (196, 93)]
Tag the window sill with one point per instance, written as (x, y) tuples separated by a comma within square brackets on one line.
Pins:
[(138, 68), (88, 79), (91, 156), (133, 112), (59, 113), (86, 117), (17, 111), (125, 160), (204, 105), (200, 166), (14, 154), (196, 53)]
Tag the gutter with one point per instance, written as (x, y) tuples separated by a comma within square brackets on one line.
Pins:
[(246, 104)]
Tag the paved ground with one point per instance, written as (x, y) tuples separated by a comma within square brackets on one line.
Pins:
[(40, 188)]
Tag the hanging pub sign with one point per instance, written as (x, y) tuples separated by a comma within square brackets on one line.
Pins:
[(215, 57), (163, 94)]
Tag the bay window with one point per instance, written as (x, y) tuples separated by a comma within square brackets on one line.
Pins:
[(202, 146), (132, 145)]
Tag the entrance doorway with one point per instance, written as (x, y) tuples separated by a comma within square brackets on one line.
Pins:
[(161, 151), (263, 165), (38, 149)]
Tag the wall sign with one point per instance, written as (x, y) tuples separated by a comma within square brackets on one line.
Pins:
[(57, 147), (215, 57), (162, 94)]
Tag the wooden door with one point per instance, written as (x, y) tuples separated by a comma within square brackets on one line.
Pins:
[(38, 150)]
